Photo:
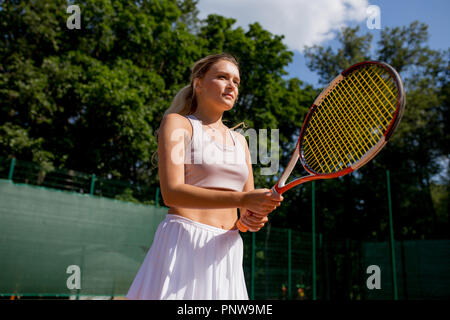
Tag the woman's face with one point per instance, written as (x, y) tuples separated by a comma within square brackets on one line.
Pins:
[(219, 87)]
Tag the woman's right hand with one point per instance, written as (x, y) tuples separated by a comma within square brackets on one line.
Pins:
[(261, 201)]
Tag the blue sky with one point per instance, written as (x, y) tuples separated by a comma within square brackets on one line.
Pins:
[(394, 13), (305, 22)]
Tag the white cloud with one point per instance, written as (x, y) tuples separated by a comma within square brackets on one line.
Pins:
[(302, 22)]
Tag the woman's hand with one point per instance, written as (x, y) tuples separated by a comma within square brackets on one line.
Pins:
[(261, 201), (257, 205), (254, 222)]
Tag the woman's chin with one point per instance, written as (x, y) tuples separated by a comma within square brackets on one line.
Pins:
[(224, 105), (228, 105)]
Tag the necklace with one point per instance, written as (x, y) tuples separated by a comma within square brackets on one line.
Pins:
[(214, 129)]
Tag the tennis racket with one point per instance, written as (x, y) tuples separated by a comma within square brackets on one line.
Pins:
[(350, 121)]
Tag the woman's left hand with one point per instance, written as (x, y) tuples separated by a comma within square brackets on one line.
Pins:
[(255, 221)]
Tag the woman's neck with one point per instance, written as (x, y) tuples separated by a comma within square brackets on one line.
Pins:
[(209, 118)]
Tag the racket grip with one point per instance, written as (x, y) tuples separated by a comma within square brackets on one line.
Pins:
[(241, 226)]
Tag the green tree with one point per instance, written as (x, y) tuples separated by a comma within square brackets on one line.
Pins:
[(328, 64), (89, 99)]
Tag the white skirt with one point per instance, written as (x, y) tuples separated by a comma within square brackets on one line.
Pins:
[(189, 260)]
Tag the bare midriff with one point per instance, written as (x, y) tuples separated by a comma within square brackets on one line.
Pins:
[(220, 218)]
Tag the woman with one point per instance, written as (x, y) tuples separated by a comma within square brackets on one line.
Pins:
[(205, 174)]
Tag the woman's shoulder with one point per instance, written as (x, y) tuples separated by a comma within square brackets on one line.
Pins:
[(175, 120)]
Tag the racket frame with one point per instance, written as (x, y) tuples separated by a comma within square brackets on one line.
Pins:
[(281, 186)]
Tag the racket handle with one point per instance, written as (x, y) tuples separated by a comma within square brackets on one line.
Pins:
[(241, 226)]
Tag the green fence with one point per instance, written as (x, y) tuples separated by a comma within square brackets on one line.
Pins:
[(43, 231), (75, 181), (278, 265)]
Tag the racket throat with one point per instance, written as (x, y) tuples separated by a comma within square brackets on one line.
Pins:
[(281, 185), (287, 172)]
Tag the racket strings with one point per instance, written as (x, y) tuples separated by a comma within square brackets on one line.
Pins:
[(334, 142), (362, 115), (339, 143), (369, 92), (326, 143), (350, 120), (344, 124)]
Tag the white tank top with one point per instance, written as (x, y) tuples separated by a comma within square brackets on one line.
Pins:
[(210, 164)]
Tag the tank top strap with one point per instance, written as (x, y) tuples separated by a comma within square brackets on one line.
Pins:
[(233, 137), (196, 144), (239, 147), (196, 128)]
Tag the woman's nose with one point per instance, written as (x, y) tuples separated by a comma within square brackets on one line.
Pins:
[(231, 84)]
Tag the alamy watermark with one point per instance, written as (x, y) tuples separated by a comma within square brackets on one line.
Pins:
[(373, 17), (74, 281), (373, 21), (74, 21), (374, 281), (208, 150)]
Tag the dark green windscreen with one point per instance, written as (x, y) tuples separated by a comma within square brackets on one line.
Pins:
[(44, 231)]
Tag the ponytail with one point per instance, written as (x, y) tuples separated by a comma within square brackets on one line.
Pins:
[(184, 103)]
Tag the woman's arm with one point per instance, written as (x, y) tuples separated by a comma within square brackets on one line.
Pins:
[(174, 133)]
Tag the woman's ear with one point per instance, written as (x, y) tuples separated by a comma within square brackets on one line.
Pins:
[(198, 86)]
